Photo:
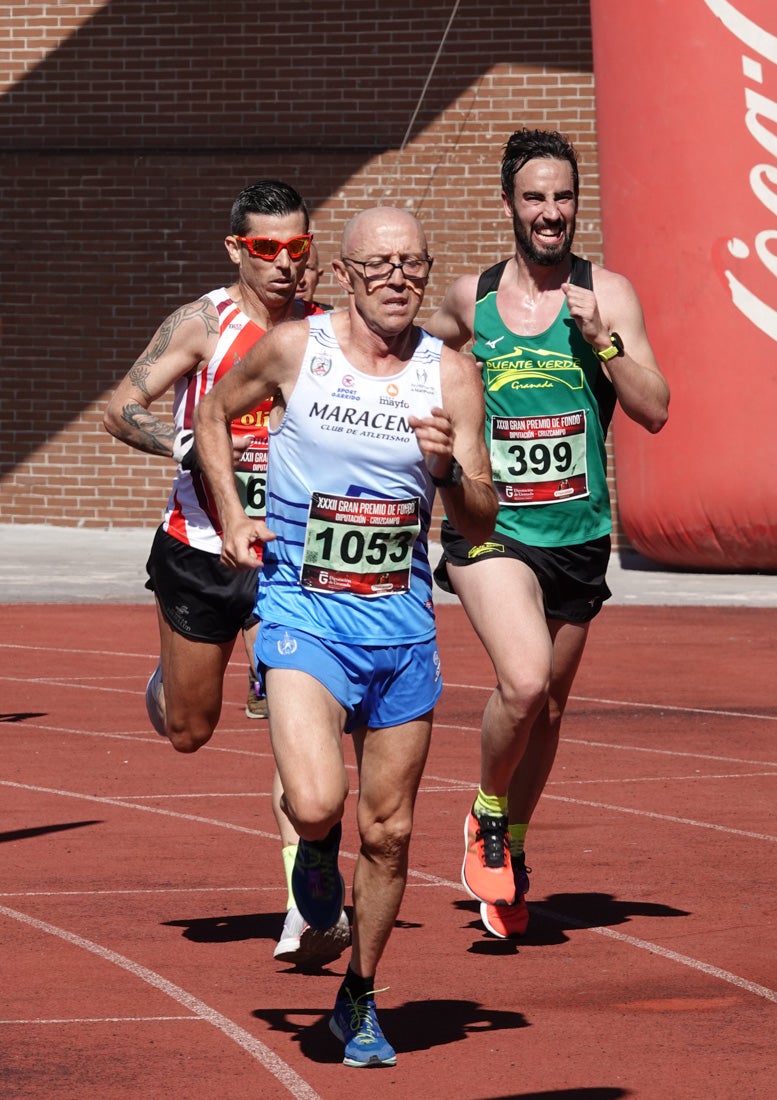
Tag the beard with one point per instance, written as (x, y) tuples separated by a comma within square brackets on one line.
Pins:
[(547, 256)]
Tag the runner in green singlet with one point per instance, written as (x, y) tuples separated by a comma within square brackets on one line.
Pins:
[(559, 342)]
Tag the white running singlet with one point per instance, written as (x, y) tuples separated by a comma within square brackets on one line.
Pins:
[(350, 499)]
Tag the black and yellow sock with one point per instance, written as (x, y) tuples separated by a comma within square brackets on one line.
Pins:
[(490, 805), (517, 835)]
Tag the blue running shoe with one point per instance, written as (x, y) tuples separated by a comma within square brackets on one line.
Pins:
[(355, 1023), (316, 883)]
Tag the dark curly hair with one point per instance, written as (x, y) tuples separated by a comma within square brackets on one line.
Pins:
[(525, 145)]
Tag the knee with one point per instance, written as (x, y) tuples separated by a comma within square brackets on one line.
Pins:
[(387, 841), (189, 738), (523, 696), (313, 813)]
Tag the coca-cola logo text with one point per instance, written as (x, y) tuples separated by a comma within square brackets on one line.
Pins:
[(761, 122)]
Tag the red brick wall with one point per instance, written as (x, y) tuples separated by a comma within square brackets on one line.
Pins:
[(127, 128)]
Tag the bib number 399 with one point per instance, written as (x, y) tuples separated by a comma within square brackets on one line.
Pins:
[(539, 459)]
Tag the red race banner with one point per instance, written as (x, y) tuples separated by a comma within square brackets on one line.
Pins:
[(686, 94)]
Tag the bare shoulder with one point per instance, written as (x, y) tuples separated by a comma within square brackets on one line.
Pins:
[(611, 287), (453, 322), (464, 288), (460, 376), (279, 353), (200, 316), (290, 335), (192, 328), (460, 296)]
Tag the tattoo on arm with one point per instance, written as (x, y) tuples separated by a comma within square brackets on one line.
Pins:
[(147, 433), (164, 334), (138, 376)]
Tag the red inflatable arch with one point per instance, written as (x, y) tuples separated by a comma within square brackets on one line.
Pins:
[(686, 95)]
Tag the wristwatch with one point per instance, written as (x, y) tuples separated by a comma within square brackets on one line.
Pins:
[(615, 348), (451, 479)]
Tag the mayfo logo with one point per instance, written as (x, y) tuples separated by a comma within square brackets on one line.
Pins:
[(392, 397)]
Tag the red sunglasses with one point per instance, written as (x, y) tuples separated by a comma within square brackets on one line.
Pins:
[(267, 248)]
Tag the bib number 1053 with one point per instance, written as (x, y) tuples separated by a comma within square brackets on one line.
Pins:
[(359, 545)]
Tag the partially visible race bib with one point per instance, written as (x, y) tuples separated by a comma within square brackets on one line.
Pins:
[(359, 545), (251, 477), (539, 459)]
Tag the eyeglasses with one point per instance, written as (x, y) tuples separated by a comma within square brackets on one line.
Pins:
[(267, 248), (412, 268)]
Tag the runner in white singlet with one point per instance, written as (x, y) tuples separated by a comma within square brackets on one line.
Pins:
[(366, 412)]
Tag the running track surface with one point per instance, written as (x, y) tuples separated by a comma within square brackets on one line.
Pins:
[(142, 892)]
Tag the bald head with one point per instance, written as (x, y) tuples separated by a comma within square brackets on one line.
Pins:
[(383, 267), (379, 229)]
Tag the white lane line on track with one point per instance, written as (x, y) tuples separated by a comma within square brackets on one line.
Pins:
[(102, 1020), (267, 1058), (695, 778), (672, 707), (450, 785), (728, 829), (633, 703), (670, 752), (143, 738), (613, 745), (436, 880), (665, 953), (203, 889), (130, 805), (630, 703), (89, 652)]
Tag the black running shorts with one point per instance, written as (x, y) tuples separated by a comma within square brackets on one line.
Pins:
[(572, 578), (200, 598)]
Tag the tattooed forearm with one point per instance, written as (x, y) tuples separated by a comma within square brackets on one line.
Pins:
[(146, 432)]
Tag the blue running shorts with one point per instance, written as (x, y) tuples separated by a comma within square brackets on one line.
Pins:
[(379, 686)]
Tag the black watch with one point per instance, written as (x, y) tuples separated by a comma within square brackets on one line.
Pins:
[(453, 478)]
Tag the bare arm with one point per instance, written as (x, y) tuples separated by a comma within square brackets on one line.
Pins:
[(270, 367), (613, 306), (181, 343), (457, 430), (454, 320)]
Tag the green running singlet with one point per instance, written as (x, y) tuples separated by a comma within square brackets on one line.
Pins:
[(548, 408)]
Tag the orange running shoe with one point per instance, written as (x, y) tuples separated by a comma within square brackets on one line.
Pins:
[(486, 872), (507, 921)]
